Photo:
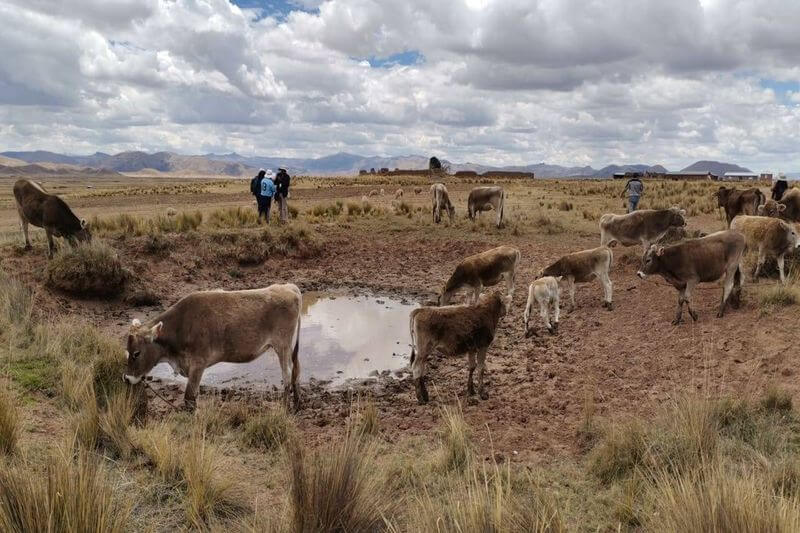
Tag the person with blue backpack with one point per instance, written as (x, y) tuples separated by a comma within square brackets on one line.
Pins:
[(263, 188)]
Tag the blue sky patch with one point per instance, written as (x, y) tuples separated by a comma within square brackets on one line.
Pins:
[(781, 88), (279, 9), (409, 57)]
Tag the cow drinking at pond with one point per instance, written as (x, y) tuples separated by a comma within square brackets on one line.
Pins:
[(583, 266), (485, 199), (44, 210), (482, 270), (441, 200), (694, 261), (455, 330), (640, 227), (739, 202), (210, 327)]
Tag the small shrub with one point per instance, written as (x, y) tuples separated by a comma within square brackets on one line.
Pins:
[(269, 430), (353, 209), (565, 206), (548, 225), (89, 269), (9, 423)]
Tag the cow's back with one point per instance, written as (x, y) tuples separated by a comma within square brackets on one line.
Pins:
[(705, 258), (772, 233), (30, 198)]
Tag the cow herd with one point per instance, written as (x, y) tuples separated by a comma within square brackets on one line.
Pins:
[(208, 327)]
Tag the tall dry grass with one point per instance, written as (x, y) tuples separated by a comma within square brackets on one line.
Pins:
[(455, 437), (89, 269), (9, 422)]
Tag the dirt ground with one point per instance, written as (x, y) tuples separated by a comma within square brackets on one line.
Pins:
[(626, 361)]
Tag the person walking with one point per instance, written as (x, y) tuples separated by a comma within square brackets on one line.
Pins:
[(263, 188), (633, 190), (282, 181)]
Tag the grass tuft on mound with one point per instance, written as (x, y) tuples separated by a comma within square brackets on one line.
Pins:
[(89, 269)]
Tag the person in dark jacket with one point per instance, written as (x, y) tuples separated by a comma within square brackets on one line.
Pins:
[(282, 181), (633, 190), (263, 188)]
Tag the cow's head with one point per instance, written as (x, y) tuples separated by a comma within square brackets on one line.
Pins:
[(722, 196), (143, 351), (771, 208), (650, 261), (677, 217), (451, 211), (83, 234)]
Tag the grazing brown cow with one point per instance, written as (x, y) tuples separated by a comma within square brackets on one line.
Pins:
[(640, 227), (739, 202), (398, 193), (455, 330), (209, 327), (769, 237), (788, 208), (694, 261), (584, 266), (441, 200), (44, 210), (482, 270), (485, 199)]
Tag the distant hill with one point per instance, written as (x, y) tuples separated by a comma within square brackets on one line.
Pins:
[(715, 167), (11, 162), (51, 169)]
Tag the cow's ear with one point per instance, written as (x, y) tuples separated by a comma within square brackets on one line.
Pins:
[(660, 251), (683, 212), (83, 223), (155, 331), (136, 322), (781, 207)]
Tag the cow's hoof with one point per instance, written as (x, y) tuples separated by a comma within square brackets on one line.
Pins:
[(189, 407), (677, 321), (484, 395), (720, 314), (694, 317), (28, 247), (609, 306)]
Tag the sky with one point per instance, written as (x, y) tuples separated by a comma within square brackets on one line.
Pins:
[(501, 82)]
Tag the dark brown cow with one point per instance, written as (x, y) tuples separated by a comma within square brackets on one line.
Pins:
[(209, 327), (584, 266), (788, 208), (640, 227), (38, 207), (482, 270), (455, 330), (739, 202), (694, 261)]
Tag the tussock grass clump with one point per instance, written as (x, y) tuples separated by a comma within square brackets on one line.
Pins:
[(233, 217), (9, 423), (565, 206), (402, 208), (16, 306), (89, 269), (455, 439), (132, 225), (719, 500), (164, 452), (777, 400), (369, 422), (354, 209), (337, 490), (779, 296), (331, 210), (211, 490), (269, 430), (114, 424), (298, 239), (548, 225), (74, 495)]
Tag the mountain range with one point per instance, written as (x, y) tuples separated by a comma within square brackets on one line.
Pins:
[(342, 163)]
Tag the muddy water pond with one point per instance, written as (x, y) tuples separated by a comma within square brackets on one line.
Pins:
[(342, 337)]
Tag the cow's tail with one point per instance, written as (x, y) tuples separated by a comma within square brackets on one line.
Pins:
[(502, 204), (296, 346), (610, 257), (412, 329)]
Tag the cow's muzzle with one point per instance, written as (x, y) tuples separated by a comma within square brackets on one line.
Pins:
[(131, 380), (641, 274)]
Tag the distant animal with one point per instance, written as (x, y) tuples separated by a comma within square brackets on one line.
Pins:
[(383, 192), (441, 200), (44, 210), (364, 199), (484, 199), (739, 202), (769, 237), (544, 291), (788, 208), (778, 189), (582, 267), (644, 227), (482, 270), (209, 327), (398, 193), (417, 190), (694, 261), (455, 330), (373, 192)]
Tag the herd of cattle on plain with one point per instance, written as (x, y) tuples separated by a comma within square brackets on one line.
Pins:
[(207, 327)]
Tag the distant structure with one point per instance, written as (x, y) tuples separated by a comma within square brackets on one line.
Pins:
[(766, 176), (362, 172), (466, 174), (690, 175), (372, 170), (504, 174), (434, 165), (384, 170), (739, 176)]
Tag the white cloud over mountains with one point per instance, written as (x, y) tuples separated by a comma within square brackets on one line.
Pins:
[(501, 82)]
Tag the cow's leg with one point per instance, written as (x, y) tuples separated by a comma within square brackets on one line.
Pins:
[(510, 278), (607, 291), (50, 244), (727, 287), (283, 357), (476, 292), (544, 312), (679, 312), (687, 297), (481, 368), (571, 289), (192, 388), (418, 368), (24, 224), (762, 257), (779, 259), (556, 312), (471, 367)]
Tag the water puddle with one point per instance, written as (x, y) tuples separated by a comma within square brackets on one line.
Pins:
[(341, 338)]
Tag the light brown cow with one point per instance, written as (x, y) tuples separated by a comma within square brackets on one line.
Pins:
[(38, 207), (769, 237), (543, 291), (455, 330), (694, 261), (441, 200), (209, 327), (374, 192), (640, 227), (582, 267), (739, 202), (398, 193), (482, 270), (485, 199), (788, 208), (417, 190)]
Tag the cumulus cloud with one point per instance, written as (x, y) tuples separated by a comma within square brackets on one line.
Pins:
[(512, 82)]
